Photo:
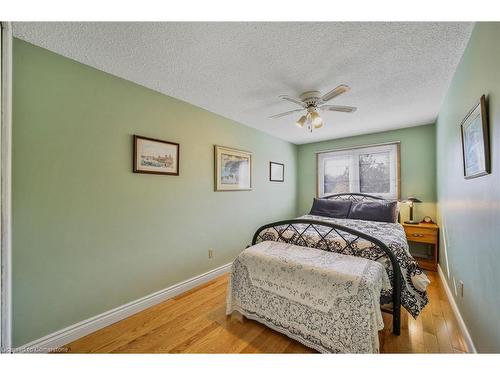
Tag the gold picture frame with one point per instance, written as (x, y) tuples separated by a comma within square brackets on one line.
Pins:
[(233, 169)]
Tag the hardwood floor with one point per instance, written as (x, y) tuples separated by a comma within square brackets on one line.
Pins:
[(195, 322)]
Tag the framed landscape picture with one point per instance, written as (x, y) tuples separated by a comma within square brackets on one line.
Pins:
[(475, 141), (155, 156), (233, 169), (276, 172)]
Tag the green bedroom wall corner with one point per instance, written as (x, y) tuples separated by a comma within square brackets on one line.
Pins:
[(469, 210), (418, 165), (88, 234)]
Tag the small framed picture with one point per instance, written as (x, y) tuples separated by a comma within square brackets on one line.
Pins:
[(233, 169), (475, 141), (155, 156), (276, 172)]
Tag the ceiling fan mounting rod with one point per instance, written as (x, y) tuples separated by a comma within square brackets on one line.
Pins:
[(310, 97)]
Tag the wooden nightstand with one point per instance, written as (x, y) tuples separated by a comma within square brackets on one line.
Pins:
[(425, 234)]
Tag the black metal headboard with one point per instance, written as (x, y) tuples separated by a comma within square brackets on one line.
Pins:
[(355, 197)]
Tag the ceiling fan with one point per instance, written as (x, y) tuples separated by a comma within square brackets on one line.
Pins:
[(312, 101)]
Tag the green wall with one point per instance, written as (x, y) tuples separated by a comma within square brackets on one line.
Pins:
[(88, 234), (469, 210), (418, 166)]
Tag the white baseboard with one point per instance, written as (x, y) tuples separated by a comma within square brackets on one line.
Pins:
[(66, 335), (456, 311)]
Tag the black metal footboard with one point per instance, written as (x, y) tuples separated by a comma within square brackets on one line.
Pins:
[(327, 238)]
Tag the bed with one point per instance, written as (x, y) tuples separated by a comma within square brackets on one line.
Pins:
[(382, 242)]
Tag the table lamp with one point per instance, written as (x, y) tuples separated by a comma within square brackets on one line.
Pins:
[(411, 201)]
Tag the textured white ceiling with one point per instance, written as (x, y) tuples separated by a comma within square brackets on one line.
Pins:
[(398, 72)]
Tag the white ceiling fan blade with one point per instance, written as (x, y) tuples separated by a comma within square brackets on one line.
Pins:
[(335, 92), (293, 100), (338, 108), (286, 113)]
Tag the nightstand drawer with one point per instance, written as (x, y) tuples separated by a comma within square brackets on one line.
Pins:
[(423, 237), (421, 234)]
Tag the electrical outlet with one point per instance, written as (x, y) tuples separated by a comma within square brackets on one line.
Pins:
[(210, 254), (461, 288)]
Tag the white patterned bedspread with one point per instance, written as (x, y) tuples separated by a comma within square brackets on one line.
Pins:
[(414, 281), (327, 301)]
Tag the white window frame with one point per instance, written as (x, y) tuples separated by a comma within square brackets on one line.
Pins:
[(394, 152)]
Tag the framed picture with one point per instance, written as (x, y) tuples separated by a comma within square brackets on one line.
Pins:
[(475, 141), (276, 172), (233, 169), (155, 156)]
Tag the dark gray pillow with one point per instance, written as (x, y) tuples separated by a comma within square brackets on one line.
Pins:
[(385, 211), (338, 209)]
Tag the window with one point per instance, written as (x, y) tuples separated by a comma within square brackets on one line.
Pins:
[(370, 170)]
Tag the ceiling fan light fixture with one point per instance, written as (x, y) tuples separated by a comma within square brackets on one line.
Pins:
[(301, 121)]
